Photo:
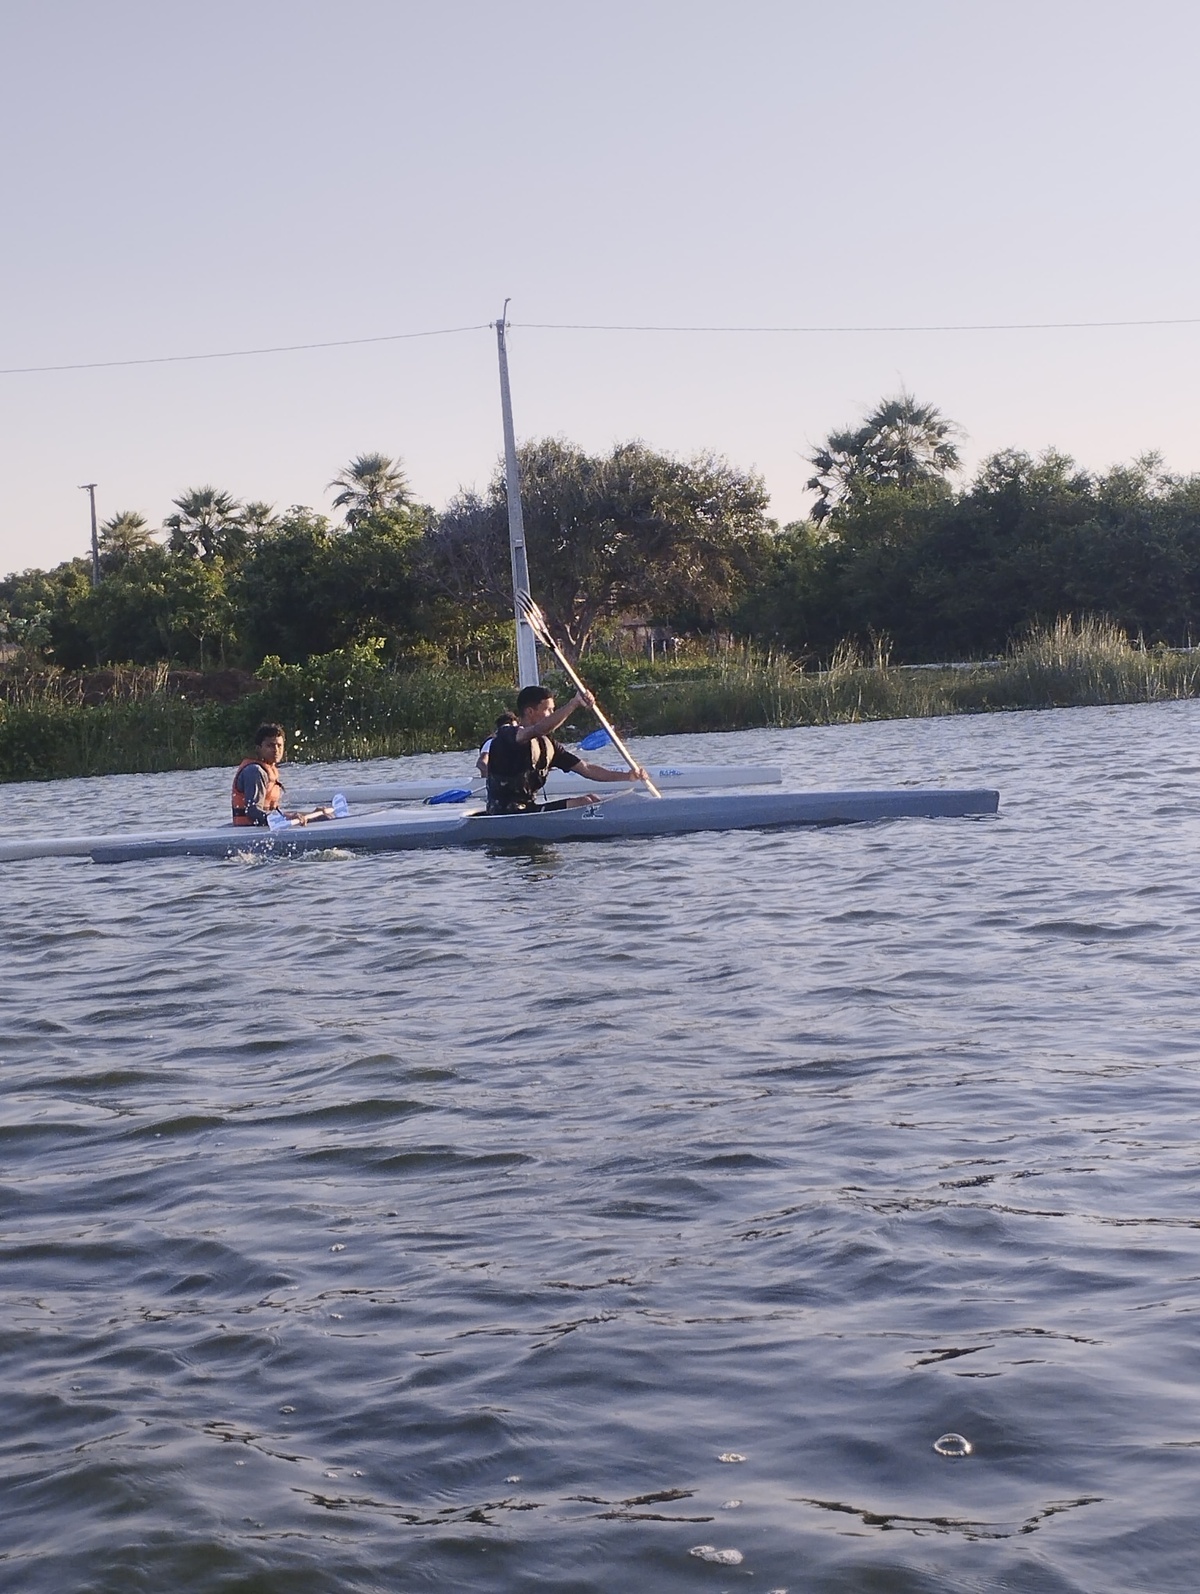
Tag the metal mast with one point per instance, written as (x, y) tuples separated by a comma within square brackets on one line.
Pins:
[(527, 664)]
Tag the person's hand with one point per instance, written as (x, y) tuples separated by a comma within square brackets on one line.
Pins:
[(584, 698), (638, 773)]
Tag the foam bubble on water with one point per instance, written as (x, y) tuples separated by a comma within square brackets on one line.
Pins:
[(514, 1477), (730, 1505), (706, 1552), (331, 1474), (239, 1463), (287, 1410), (337, 1316), (337, 1247), (730, 1456), (953, 1446)]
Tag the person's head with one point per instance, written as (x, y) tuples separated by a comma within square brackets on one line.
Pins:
[(533, 702), (268, 742), (507, 718)]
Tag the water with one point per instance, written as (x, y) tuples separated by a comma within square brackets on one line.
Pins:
[(474, 1221)]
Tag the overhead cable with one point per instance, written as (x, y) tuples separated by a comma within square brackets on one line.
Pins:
[(982, 326), (241, 354), (599, 326)]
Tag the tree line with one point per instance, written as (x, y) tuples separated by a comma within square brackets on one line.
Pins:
[(897, 547)]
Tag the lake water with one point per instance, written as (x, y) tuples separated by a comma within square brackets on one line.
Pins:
[(534, 1219)]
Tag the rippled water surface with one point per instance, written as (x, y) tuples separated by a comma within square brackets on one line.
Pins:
[(535, 1219)]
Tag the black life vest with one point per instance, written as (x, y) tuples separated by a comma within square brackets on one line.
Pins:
[(517, 771)]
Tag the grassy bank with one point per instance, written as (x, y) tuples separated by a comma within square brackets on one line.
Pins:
[(349, 707)]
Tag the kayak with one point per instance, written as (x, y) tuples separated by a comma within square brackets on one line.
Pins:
[(561, 783), (631, 814)]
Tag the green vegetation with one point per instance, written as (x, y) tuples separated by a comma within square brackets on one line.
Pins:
[(353, 705), (390, 631)]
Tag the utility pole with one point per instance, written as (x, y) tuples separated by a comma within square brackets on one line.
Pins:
[(527, 664), (90, 489)]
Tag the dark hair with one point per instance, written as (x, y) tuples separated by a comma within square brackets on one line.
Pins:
[(507, 718), (269, 729), (531, 696)]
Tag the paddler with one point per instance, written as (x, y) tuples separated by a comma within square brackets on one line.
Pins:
[(257, 788), (481, 763), (523, 754)]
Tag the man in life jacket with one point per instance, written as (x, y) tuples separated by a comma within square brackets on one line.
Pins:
[(257, 788), (523, 754)]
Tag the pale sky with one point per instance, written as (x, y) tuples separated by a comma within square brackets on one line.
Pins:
[(185, 179)]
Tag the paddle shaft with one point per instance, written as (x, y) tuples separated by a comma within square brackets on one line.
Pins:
[(596, 709)]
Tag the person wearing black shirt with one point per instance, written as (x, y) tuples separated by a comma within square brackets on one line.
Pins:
[(523, 754)]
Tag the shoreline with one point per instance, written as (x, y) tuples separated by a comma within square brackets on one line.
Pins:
[(387, 714)]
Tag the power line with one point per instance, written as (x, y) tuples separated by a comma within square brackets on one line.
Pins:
[(982, 326), (241, 354), (595, 326)]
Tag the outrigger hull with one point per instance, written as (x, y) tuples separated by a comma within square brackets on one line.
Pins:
[(632, 814), (668, 777)]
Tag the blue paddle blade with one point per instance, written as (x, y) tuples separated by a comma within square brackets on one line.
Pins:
[(457, 794), (595, 739)]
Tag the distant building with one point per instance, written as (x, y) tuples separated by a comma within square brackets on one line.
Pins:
[(645, 637)]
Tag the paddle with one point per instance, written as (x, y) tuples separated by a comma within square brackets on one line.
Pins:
[(456, 794), (541, 629)]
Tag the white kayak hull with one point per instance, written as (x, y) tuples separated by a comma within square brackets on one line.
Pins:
[(667, 777), (634, 814)]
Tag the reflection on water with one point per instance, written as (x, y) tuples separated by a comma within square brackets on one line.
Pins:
[(483, 1221)]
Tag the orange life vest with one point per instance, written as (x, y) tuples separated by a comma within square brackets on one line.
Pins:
[(271, 799)]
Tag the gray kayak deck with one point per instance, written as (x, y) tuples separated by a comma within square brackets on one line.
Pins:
[(633, 814)]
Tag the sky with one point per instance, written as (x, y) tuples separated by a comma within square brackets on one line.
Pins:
[(184, 179)]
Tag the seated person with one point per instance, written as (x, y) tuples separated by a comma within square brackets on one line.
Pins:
[(523, 753), (257, 788), (481, 763)]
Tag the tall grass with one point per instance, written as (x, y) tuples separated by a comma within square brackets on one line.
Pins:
[(339, 708)]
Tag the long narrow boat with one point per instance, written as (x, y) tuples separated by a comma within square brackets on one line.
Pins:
[(632, 814), (669, 777)]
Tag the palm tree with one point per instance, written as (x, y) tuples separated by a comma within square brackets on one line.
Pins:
[(125, 534), (901, 443), (911, 442), (258, 517), (208, 523), (368, 484)]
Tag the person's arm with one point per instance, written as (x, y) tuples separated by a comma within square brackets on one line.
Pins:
[(549, 723), (601, 772), (313, 813)]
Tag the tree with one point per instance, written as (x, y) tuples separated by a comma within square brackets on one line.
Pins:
[(283, 589), (900, 444), (121, 536), (156, 605), (369, 484), (304, 589), (207, 524), (32, 601), (257, 517), (633, 531)]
